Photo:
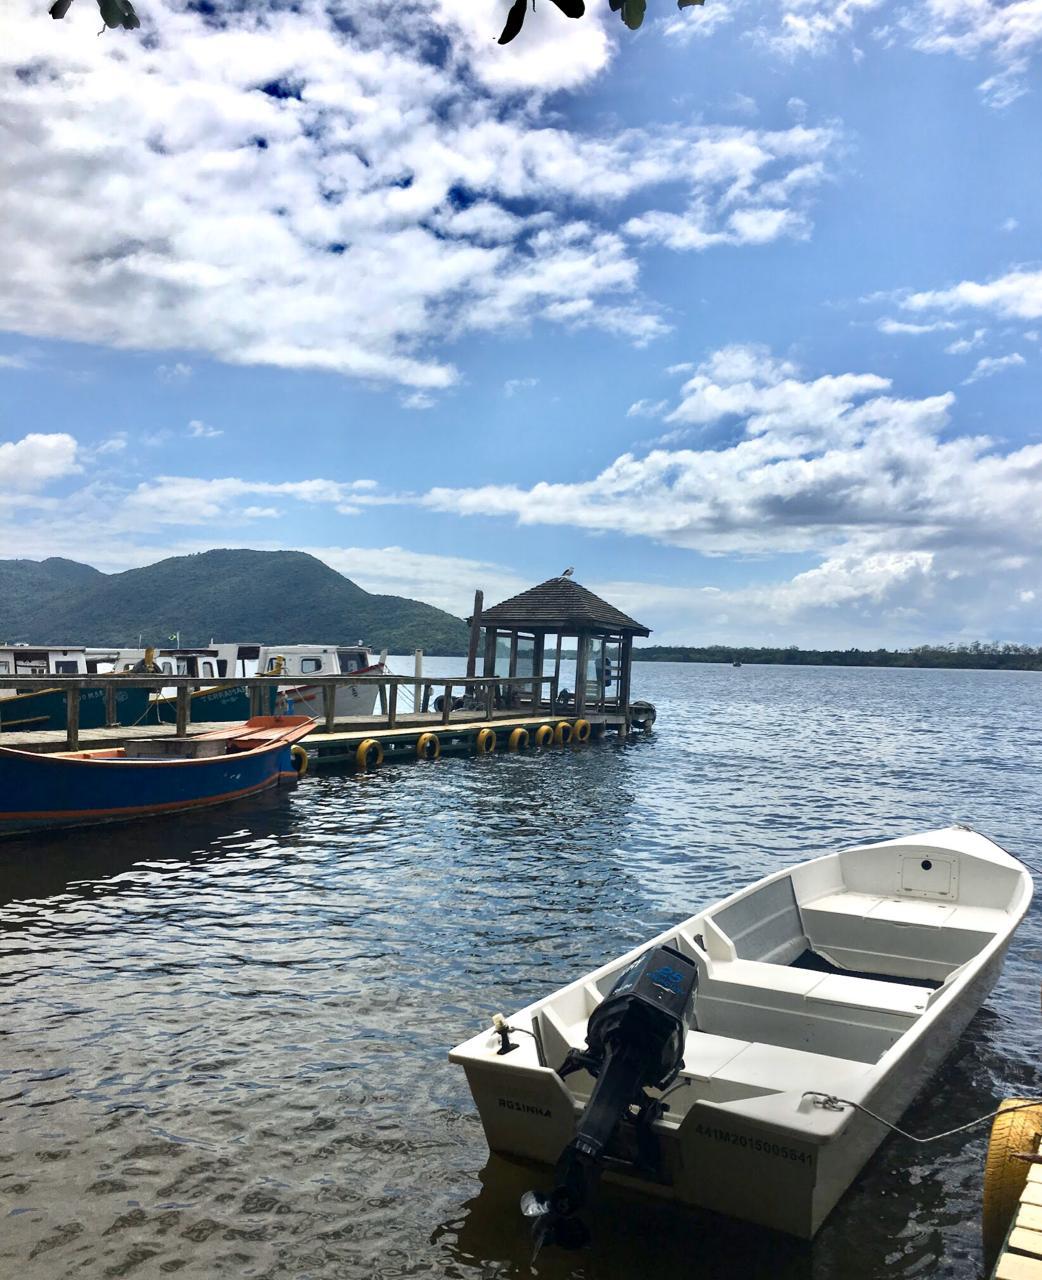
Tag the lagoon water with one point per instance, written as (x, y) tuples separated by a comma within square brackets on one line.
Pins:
[(223, 1039)]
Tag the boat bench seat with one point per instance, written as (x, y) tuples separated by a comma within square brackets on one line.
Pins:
[(769, 1066), (787, 988)]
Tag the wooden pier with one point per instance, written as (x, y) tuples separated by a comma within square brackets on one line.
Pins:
[(474, 715)]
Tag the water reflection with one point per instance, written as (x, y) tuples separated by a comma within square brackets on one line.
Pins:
[(224, 1036)]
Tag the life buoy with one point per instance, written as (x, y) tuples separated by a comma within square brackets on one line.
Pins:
[(563, 732), (428, 746), (1012, 1133), (485, 742), (518, 740), (300, 759), (369, 754), (544, 735), (581, 730)]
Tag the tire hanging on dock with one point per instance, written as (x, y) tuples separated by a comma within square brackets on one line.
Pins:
[(370, 754), (1013, 1133), (563, 732), (544, 735), (581, 730), (300, 759), (428, 746), (518, 740), (485, 742)]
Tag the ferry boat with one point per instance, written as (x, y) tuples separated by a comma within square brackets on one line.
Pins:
[(735, 1062), (296, 662), (26, 710)]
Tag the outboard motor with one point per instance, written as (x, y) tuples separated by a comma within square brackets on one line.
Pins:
[(634, 1041)]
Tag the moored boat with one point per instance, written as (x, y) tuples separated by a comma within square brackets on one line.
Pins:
[(728, 1064), (149, 776), (29, 710)]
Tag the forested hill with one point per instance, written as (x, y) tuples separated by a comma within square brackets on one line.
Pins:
[(266, 597), (989, 657)]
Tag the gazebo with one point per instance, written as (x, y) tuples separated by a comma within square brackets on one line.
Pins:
[(523, 632)]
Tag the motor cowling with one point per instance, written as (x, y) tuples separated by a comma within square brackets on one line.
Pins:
[(634, 1041)]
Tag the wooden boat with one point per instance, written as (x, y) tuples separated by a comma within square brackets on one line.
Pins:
[(48, 708), (232, 702), (149, 776), (837, 984)]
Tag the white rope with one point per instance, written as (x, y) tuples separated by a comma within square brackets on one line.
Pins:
[(829, 1102)]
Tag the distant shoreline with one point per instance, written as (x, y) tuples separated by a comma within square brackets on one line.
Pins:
[(962, 658)]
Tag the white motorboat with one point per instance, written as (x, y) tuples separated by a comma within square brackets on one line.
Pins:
[(835, 985)]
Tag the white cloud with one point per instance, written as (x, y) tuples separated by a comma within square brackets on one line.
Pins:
[(962, 345), (513, 385), (200, 431), (1010, 34), (35, 461), (1009, 224), (988, 366), (891, 326), (418, 400), (1015, 296), (647, 409), (15, 362), (186, 500), (303, 187)]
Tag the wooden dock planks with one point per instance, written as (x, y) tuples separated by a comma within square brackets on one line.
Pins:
[(1021, 1258)]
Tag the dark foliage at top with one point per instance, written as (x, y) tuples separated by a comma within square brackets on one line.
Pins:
[(114, 13), (631, 12), (265, 597)]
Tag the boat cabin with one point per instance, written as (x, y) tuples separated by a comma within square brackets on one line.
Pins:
[(318, 660), (30, 660)]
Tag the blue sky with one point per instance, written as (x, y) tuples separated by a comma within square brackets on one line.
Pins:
[(740, 315)]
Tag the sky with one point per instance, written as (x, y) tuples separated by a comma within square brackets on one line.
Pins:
[(740, 315)]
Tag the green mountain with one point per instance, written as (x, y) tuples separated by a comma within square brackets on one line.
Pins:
[(267, 597)]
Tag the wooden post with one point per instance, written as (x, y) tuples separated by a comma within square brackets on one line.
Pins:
[(557, 669), (490, 700), (329, 706), (475, 634), (537, 669), (381, 693), (446, 704), (581, 660), (392, 705), (512, 667), (625, 660), (601, 672), (553, 693), (110, 705), (418, 674), (72, 718), (184, 695), (490, 651)]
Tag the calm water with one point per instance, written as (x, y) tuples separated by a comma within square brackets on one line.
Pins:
[(223, 1039)]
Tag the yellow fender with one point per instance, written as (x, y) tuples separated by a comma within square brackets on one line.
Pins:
[(369, 754), (300, 759), (563, 732), (581, 730), (1012, 1133), (428, 747), (544, 735), (518, 740), (485, 742)]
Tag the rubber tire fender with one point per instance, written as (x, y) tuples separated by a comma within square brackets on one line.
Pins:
[(428, 746), (563, 732), (370, 754), (518, 740), (485, 742), (1012, 1132), (300, 759), (581, 730)]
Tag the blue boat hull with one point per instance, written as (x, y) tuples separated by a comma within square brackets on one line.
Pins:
[(212, 705), (46, 791), (47, 708)]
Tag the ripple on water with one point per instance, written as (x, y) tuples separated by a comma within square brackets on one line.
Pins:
[(225, 1035)]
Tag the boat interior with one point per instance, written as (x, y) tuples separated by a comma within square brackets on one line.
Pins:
[(807, 979), (232, 739)]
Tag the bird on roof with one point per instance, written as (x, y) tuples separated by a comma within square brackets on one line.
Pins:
[(568, 572)]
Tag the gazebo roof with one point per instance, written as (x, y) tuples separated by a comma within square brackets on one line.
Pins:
[(561, 605)]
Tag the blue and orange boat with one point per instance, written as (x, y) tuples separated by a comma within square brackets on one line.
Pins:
[(149, 776)]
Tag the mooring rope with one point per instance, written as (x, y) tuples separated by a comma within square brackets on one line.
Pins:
[(829, 1102)]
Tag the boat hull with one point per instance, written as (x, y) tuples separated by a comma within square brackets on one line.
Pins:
[(48, 708), (740, 1136), (40, 792)]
